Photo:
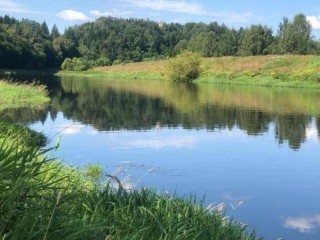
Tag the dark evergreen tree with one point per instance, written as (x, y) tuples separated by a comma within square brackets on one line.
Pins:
[(54, 32)]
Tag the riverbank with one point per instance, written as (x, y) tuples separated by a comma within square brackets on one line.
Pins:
[(272, 70), (14, 95), (42, 198)]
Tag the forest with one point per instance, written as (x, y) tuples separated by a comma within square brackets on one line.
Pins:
[(31, 45)]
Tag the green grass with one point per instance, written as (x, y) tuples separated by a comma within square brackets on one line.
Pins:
[(114, 75), (12, 72), (41, 198), (259, 80), (273, 70), (14, 95)]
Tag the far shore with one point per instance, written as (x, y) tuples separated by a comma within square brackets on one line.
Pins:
[(299, 71)]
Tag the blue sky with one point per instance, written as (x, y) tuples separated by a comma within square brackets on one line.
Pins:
[(231, 12)]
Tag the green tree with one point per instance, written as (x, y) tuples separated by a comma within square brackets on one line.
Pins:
[(55, 32), (256, 40), (295, 37)]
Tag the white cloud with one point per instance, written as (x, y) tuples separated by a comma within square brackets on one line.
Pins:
[(114, 13), (13, 7), (172, 6), (71, 15), (97, 13), (315, 22), (303, 224), (8, 4)]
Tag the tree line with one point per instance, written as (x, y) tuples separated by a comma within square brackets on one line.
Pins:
[(28, 44)]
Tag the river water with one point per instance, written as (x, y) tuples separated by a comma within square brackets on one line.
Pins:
[(255, 149)]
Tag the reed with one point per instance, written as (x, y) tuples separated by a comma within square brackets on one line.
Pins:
[(14, 95)]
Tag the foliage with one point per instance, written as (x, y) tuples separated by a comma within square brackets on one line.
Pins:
[(13, 95), (93, 172), (256, 40), (82, 64), (295, 37), (183, 68), (28, 44), (41, 198)]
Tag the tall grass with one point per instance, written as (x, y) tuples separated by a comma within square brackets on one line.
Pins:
[(13, 95), (41, 198)]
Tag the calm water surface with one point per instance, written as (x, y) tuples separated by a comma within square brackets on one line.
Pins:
[(232, 144)]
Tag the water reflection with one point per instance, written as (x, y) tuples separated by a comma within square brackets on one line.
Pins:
[(303, 224), (137, 105)]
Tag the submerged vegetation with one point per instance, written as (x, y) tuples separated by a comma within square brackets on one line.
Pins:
[(41, 198), (13, 95)]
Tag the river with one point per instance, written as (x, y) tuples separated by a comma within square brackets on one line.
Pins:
[(255, 149)]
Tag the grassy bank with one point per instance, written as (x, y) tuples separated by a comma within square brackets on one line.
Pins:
[(273, 70), (32, 72), (41, 198), (13, 95)]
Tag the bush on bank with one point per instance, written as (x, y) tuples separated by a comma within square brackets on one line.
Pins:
[(183, 68)]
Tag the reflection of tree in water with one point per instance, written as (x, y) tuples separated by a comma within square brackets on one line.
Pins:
[(253, 122), (291, 128), (111, 108), (25, 115), (318, 125)]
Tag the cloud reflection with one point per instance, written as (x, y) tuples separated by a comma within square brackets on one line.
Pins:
[(312, 133), (70, 129), (161, 143), (303, 224)]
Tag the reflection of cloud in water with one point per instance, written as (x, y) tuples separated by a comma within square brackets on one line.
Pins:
[(303, 224), (70, 129), (312, 133), (93, 132), (161, 142)]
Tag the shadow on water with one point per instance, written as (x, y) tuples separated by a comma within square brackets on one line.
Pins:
[(141, 105)]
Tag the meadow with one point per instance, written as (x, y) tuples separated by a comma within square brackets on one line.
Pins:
[(271, 70)]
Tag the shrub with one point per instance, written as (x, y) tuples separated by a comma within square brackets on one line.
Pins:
[(183, 68), (82, 64), (101, 62), (116, 62), (67, 64)]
